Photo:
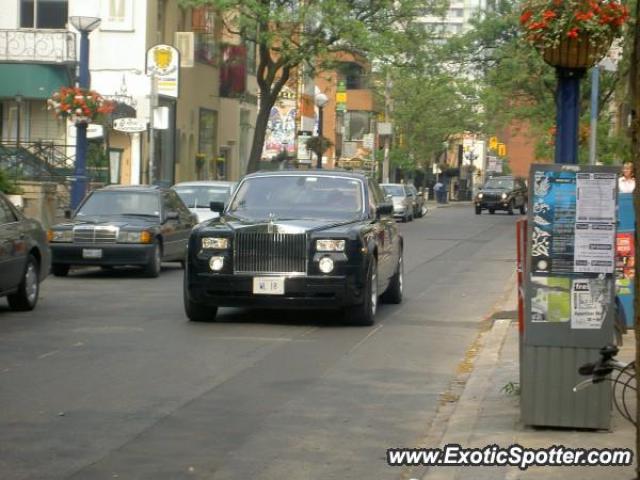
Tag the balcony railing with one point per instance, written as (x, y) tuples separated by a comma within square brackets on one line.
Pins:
[(37, 46)]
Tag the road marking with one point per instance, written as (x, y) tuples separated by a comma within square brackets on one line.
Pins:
[(371, 333), (48, 354)]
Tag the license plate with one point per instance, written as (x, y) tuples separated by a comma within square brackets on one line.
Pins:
[(268, 285), (91, 253)]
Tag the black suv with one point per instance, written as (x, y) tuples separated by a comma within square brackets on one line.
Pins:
[(123, 225), (502, 193)]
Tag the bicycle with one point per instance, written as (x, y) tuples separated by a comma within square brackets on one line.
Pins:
[(603, 369)]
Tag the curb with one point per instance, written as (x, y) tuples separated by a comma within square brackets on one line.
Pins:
[(459, 427)]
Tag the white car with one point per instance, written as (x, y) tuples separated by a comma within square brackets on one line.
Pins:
[(198, 196)]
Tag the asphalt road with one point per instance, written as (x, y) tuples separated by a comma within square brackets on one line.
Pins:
[(107, 378)]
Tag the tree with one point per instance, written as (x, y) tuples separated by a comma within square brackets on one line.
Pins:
[(291, 33)]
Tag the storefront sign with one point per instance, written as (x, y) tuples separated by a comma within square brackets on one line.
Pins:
[(129, 125), (163, 63)]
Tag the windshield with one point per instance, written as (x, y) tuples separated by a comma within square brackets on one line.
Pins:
[(499, 183), (121, 203), (202, 196), (393, 190), (297, 197)]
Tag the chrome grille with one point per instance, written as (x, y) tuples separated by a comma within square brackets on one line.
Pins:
[(270, 253), (91, 234)]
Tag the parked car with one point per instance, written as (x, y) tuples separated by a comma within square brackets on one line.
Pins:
[(123, 225), (403, 200), (197, 196), (300, 239), (419, 201), (25, 257), (502, 193)]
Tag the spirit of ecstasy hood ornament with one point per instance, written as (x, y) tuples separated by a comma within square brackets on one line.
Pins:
[(271, 226)]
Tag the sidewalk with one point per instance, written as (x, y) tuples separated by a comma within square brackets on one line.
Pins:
[(486, 415)]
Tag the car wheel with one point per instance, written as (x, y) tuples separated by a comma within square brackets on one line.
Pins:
[(523, 208), (197, 312), (27, 295), (393, 294), (365, 313), (492, 211), (478, 211), (153, 267), (510, 208), (60, 270)]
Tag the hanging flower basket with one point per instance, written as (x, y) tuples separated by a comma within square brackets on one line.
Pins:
[(79, 105), (573, 33), (575, 53)]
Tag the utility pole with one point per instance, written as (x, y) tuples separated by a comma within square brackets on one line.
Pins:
[(153, 103), (387, 138), (634, 86)]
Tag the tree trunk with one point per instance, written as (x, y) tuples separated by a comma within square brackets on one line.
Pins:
[(257, 146)]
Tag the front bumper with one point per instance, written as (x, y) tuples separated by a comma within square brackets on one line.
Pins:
[(300, 292), (112, 254), (493, 204)]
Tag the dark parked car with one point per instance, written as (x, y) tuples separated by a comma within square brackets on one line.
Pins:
[(299, 239), (403, 200), (24, 257), (502, 193), (123, 225)]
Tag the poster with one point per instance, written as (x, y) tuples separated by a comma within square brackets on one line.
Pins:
[(596, 197), (594, 247), (625, 263), (589, 300), (554, 210), (550, 299)]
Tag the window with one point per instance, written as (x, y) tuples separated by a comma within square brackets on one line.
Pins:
[(44, 13), (354, 76), (203, 25), (6, 214)]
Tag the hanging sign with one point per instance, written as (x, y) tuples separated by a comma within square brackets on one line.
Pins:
[(163, 63), (129, 125)]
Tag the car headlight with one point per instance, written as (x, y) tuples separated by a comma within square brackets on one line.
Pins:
[(480, 195), (60, 236), (142, 236), (209, 243), (326, 265), (330, 245), (504, 196), (216, 263)]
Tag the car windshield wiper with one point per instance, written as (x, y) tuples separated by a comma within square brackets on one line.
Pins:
[(138, 214)]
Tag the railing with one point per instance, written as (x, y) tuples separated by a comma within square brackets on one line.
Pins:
[(39, 46)]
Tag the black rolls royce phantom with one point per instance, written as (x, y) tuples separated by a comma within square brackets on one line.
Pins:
[(297, 239)]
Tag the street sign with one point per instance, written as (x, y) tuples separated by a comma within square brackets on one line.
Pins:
[(163, 63), (368, 140), (129, 125), (384, 128), (494, 164)]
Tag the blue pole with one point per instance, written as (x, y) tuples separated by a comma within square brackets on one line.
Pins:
[(595, 87), (568, 114), (79, 186)]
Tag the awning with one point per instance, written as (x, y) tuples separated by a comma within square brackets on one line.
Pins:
[(32, 81)]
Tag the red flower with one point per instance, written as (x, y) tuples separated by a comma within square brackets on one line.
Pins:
[(582, 16), (525, 17), (549, 14), (573, 33)]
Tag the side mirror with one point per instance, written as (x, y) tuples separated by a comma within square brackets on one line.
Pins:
[(217, 207), (384, 209), (67, 214), (172, 215)]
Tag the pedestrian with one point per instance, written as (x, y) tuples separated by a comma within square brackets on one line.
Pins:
[(438, 189), (627, 182)]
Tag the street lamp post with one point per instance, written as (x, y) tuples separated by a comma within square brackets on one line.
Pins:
[(321, 101), (84, 25)]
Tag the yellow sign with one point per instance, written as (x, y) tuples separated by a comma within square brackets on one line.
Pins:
[(502, 150), (341, 97), (493, 143), (162, 57)]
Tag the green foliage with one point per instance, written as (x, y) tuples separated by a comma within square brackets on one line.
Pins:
[(8, 186), (313, 144), (511, 389)]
